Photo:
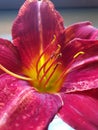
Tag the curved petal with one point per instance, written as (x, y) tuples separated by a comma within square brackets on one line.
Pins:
[(21, 107), (9, 56), (81, 110), (83, 30), (89, 47), (85, 78), (83, 70), (35, 28)]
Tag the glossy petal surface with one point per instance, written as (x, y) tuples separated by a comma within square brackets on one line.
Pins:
[(83, 71), (81, 110), (82, 79), (83, 30), (9, 56), (34, 29), (21, 107), (89, 47)]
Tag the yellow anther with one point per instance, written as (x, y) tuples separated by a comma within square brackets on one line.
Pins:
[(13, 74), (79, 53), (54, 39), (60, 55), (59, 46), (57, 50)]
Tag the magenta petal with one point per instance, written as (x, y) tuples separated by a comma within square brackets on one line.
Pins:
[(9, 56), (85, 78), (35, 27), (83, 73), (21, 107), (81, 111), (83, 30), (89, 47)]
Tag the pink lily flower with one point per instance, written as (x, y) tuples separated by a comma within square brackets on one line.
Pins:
[(48, 70)]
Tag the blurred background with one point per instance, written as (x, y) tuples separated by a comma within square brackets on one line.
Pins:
[(71, 10)]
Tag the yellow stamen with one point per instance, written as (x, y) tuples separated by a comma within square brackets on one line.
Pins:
[(50, 76), (13, 74), (79, 53), (41, 58), (49, 68), (44, 63), (68, 68), (57, 50)]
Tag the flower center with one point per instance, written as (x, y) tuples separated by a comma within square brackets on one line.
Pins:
[(46, 69), (46, 73)]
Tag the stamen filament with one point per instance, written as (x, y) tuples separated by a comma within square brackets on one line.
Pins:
[(50, 75), (68, 68), (13, 74), (40, 58), (47, 71), (54, 39), (43, 67), (65, 72)]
